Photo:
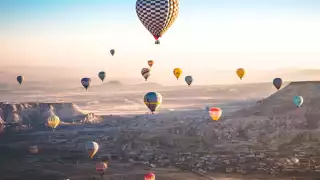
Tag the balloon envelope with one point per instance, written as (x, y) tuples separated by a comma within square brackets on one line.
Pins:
[(157, 15), (53, 121), (102, 75), (92, 148), (298, 100), (20, 79), (150, 63), (277, 82), (145, 72), (112, 51), (33, 149), (149, 176), (215, 113), (241, 72), (152, 100), (101, 167), (177, 72), (86, 82), (188, 80)]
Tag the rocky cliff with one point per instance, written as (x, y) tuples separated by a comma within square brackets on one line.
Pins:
[(37, 113)]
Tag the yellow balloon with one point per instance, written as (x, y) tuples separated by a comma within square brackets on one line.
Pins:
[(53, 121), (177, 72), (241, 72)]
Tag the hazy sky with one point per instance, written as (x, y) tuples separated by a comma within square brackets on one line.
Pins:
[(208, 35)]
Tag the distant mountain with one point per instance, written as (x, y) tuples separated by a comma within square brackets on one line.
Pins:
[(71, 76), (114, 83), (299, 74), (149, 84)]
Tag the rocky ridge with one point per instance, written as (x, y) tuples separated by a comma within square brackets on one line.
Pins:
[(37, 113)]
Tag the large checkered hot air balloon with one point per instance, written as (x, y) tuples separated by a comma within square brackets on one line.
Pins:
[(157, 15)]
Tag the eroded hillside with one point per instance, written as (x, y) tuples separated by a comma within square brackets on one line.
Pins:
[(38, 113), (276, 121)]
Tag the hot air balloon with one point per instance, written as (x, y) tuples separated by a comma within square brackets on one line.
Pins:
[(150, 63), (149, 176), (20, 79), (215, 113), (188, 80), (112, 51), (145, 73), (92, 148), (152, 100), (240, 72), (33, 149), (102, 75), (86, 82), (277, 82), (101, 168), (298, 100), (177, 72), (53, 121), (157, 15)]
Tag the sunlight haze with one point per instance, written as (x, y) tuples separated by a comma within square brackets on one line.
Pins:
[(209, 36)]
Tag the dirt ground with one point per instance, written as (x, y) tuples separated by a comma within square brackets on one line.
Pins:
[(52, 167)]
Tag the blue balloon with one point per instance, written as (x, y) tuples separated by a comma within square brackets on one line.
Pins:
[(86, 82), (152, 100), (20, 79), (277, 82), (298, 100)]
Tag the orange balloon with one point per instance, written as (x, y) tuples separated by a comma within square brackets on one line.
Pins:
[(240, 72), (150, 63)]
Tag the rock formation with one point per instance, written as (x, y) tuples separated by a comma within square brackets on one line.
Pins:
[(37, 113)]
